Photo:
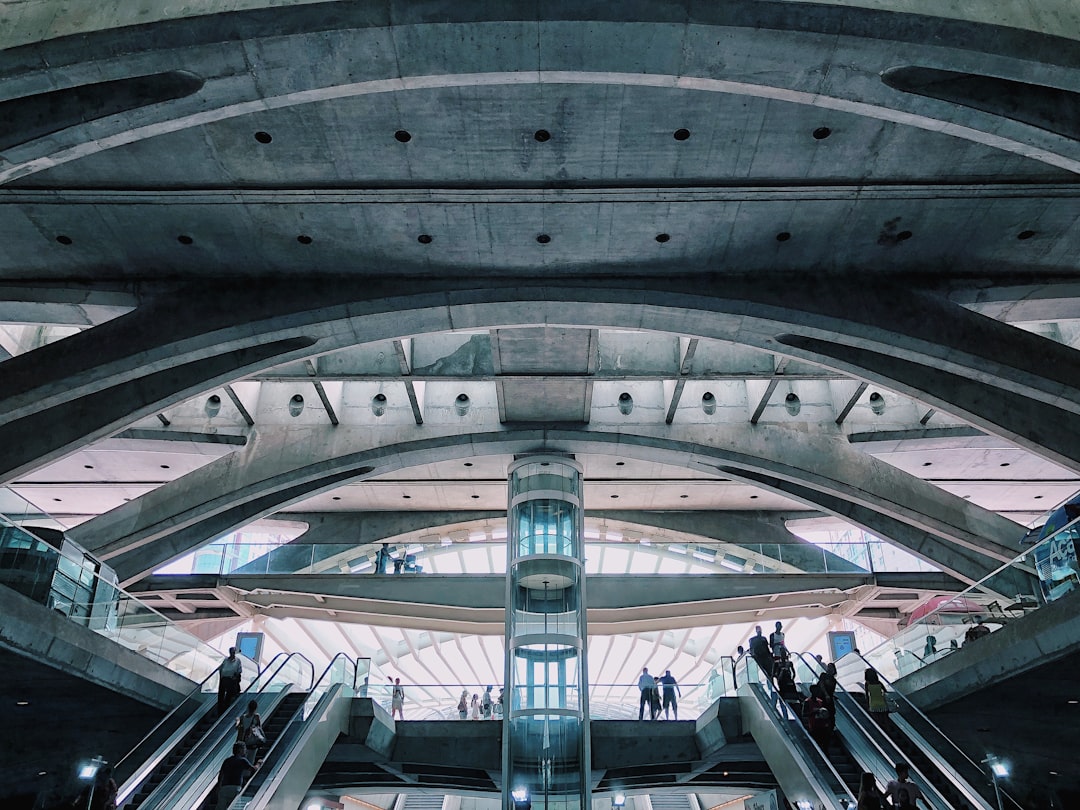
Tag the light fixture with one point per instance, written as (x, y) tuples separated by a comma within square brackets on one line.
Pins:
[(618, 800), (520, 795), (804, 804), (626, 403), (792, 404), (88, 770), (877, 403), (314, 806), (22, 702), (999, 768), (378, 404)]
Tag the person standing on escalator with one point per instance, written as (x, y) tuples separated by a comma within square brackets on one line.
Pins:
[(760, 652), (235, 771), (904, 794)]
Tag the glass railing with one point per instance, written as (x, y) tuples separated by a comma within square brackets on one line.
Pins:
[(485, 557), (607, 701), (292, 669), (69, 586), (1014, 590)]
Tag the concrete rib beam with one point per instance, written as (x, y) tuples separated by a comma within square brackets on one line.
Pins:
[(56, 401), (289, 465)]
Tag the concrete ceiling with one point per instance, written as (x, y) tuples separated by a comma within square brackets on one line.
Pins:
[(352, 257)]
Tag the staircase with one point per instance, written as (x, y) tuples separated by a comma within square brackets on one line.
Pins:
[(670, 801), (417, 801)]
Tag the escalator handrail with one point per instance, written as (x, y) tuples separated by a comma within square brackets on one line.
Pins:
[(775, 699), (285, 658), (937, 730), (299, 711), (165, 719), (861, 719)]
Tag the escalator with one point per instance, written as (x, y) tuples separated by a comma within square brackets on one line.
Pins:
[(299, 745), (878, 746), (802, 770), (183, 769)]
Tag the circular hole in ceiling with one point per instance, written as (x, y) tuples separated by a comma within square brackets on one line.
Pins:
[(903, 236), (88, 466), (407, 497), (184, 239), (63, 239), (684, 496), (468, 463), (821, 133), (753, 497), (614, 497), (620, 463), (1004, 464), (663, 237), (475, 497), (542, 135), (336, 498), (1025, 234), (783, 236), (424, 239), (543, 238), (402, 136), (304, 239), (927, 463), (263, 137), (681, 134)]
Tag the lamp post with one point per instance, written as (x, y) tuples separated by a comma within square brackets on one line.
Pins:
[(998, 770), (89, 772)]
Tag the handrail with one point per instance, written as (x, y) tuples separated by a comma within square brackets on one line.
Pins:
[(286, 657), (937, 730), (872, 734), (782, 712), (302, 709), (165, 719)]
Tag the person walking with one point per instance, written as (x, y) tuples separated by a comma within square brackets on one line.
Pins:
[(229, 673), (777, 644), (235, 770), (397, 699), (671, 687), (645, 686)]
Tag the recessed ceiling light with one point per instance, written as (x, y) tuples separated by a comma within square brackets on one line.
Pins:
[(753, 497), (475, 497), (614, 496), (43, 773), (164, 466), (468, 464), (684, 496), (335, 498), (620, 463), (407, 497), (1074, 701), (22, 702)]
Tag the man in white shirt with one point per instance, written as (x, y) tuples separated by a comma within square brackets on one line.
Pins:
[(228, 681), (646, 683), (903, 794)]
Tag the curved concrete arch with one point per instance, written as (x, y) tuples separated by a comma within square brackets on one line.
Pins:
[(87, 16), (916, 344), (1013, 145), (276, 470), (242, 80)]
